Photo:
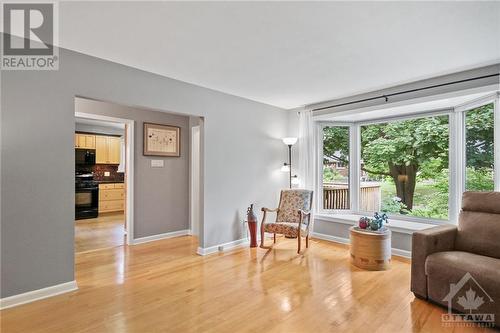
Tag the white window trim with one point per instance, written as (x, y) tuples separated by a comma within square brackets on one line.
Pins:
[(319, 179), (456, 152)]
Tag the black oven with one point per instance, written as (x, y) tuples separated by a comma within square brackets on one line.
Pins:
[(86, 198), (84, 156)]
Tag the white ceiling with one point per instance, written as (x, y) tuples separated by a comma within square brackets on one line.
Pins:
[(287, 54)]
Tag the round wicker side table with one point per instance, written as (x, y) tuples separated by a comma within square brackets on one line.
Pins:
[(370, 250)]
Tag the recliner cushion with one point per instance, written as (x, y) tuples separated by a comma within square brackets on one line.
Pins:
[(486, 202), (479, 233), (445, 268), (450, 264)]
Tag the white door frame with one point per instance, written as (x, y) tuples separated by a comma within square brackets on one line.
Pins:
[(194, 221), (129, 181)]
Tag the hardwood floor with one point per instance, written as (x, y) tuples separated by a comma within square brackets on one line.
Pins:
[(108, 230), (164, 286)]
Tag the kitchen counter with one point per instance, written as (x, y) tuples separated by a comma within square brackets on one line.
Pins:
[(110, 181)]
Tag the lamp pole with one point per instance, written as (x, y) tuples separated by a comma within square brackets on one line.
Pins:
[(290, 165), (289, 142)]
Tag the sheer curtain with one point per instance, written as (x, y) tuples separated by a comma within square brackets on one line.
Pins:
[(306, 150)]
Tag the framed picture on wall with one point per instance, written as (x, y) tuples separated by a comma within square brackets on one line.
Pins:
[(162, 140)]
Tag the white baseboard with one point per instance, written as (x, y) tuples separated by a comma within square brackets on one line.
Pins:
[(36, 295), (161, 236), (228, 246), (342, 240), (203, 251), (330, 238), (401, 253)]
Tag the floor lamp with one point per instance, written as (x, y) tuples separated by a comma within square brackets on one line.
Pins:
[(287, 167)]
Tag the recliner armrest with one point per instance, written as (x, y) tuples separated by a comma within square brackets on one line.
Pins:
[(425, 243)]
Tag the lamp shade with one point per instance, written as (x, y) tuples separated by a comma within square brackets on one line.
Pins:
[(295, 180), (289, 141), (285, 168)]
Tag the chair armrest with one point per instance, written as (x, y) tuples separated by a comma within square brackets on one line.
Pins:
[(264, 209), (425, 243), (303, 214)]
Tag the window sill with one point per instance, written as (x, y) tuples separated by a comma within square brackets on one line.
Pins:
[(400, 226)]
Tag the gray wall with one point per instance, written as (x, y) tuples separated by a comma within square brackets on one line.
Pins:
[(242, 149), (161, 194)]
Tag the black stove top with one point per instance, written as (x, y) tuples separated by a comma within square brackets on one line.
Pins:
[(86, 184), (85, 180)]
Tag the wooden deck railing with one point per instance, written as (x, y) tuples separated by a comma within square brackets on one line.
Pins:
[(336, 196)]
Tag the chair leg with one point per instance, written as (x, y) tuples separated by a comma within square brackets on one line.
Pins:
[(298, 245), (307, 241), (274, 239), (261, 237)]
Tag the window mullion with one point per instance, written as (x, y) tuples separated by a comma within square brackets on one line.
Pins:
[(496, 142), (456, 164), (354, 167), (319, 167)]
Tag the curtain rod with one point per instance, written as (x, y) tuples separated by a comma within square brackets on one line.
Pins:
[(386, 96)]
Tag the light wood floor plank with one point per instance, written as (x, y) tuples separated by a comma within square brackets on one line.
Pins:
[(107, 230), (164, 286)]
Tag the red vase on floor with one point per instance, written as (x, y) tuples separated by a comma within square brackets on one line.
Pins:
[(252, 226)]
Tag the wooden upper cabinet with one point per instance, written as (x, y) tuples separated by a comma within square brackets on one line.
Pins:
[(86, 141), (107, 149), (101, 149), (114, 148), (90, 141)]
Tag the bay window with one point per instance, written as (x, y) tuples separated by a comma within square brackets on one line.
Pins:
[(412, 167)]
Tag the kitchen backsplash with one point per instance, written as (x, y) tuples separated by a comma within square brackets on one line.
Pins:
[(99, 169)]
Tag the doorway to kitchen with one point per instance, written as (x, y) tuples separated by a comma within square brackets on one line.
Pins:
[(103, 181)]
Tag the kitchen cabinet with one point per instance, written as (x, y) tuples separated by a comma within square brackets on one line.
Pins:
[(114, 149), (107, 149), (111, 197), (85, 141)]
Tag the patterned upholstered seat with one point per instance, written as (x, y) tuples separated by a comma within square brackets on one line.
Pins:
[(285, 228), (293, 216)]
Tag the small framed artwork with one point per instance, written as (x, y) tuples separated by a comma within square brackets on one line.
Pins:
[(162, 140)]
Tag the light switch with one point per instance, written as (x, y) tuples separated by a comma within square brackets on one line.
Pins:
[(157, 163), (106, 173)]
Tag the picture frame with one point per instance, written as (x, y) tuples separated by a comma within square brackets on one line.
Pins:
[(161, 140)]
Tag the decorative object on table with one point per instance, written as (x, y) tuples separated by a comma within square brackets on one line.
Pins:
[(364, 222), (378, 221), (375, 223), (370, 250), (287, 167), (252, 226), (162, 140), (293, 218)]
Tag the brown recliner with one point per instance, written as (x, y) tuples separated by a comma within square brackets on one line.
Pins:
[(443, 255)]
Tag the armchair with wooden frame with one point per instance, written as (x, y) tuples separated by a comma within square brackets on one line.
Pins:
[(293, 217)]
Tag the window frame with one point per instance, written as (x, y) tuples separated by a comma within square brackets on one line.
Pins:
[(456, 157), (320, 126)]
